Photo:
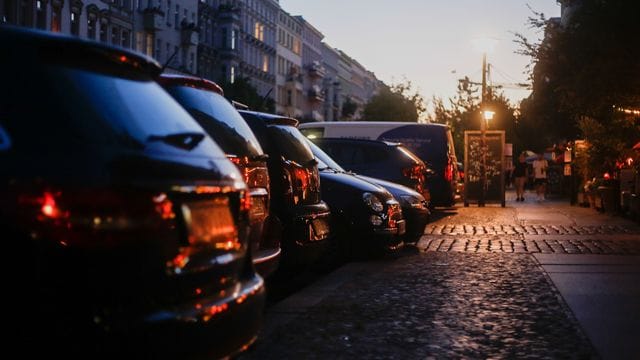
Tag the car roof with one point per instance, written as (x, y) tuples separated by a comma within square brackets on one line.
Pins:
[(271, 119), (189, 81), (372, 123), (69, 47), (363, 141)]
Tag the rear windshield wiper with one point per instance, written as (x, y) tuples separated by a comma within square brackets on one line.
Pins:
[(186, 140)]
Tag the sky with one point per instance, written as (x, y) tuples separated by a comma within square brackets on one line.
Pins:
[(429, 42)]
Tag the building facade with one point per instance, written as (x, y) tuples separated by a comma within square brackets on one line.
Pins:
[(157, 28), (283, 56), (289, 77), (313, 70)]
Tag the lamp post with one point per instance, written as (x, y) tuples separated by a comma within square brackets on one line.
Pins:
[(485, 45)]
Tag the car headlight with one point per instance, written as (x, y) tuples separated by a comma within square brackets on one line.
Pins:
[(372, 202), (412, 201)]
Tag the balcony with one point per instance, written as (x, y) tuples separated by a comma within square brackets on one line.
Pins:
[(153, 18), (228, 53), (295, 80), (315, 94), (316, 70), (228, 13), (189, 34)]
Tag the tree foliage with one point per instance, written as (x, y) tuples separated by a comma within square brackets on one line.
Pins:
[(584, 70), (349, 108), (399, 102), (463, 113), (241, 90)]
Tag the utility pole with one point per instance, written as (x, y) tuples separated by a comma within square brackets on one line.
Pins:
[(483, 129)]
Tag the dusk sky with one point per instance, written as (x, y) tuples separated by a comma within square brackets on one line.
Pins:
[(430, 42)]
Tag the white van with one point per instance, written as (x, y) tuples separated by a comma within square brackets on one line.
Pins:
[(433, 143)]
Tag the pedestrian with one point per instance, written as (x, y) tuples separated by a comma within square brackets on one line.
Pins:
[(520, 173), (540, 166)]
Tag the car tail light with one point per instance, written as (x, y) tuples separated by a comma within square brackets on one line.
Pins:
[(300, 182), (416, 173), (448, 172), (92, 217)]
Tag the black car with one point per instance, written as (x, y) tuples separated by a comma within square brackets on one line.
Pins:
[(415, 208), (204, 100), (122, 221), (367, 218), (378, 159), (295, 188)]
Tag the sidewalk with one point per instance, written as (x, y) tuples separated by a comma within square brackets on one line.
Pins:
[(531, 280), (603, 291)]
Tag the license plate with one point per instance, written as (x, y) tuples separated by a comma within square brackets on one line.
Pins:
[(320, 228), (210, 221)]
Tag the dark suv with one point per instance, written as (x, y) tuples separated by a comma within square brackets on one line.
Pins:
[(295, 188), (204, 100), (378, 159), (123, 223)]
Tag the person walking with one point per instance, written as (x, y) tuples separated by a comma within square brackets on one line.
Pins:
[(520, 174), (540, 166)]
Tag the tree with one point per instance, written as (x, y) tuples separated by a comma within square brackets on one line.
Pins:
[(349, 108), (396, 103), (241, 90), (583, 71), (463, 113)]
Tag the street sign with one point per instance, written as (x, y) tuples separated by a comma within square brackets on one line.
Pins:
[(494, 164)]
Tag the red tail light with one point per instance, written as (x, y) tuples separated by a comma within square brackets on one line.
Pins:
[(448, 171), (416, 173), (301, 182)]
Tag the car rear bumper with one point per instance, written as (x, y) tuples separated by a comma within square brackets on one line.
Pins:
[(213, 328), (307, 234)]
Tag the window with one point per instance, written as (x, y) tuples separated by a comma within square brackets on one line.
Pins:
[(176, 16), (103, 32), (91, 26), (232, 75), (289, 98), (149, 49), (56, 15), (115, 35), (139, 41), (41, 15), (158, 49), (233, 39), (223, 35), (191, 61), (126, 39), (265, 63), (75, 24)]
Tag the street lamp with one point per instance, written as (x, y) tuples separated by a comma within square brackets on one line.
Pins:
[(485, 45)]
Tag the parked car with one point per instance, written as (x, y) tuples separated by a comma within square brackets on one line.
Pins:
[(204, 100), (432, 143), (415, 208), (367, 218), (295, 188), (124, 224), (378, 159)]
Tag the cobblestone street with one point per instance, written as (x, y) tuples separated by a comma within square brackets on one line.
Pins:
[(471, 288)]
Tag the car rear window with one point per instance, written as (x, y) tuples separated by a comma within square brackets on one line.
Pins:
[(220, 119), (407, 153), (47, 106), (291, 143)]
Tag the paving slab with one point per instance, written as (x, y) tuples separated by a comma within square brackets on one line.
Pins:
[(603, 293)]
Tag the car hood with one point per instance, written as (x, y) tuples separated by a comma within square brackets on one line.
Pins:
[(331, 181), (396, 189)]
